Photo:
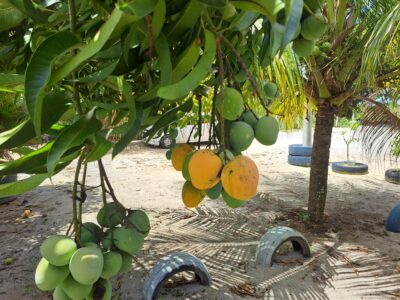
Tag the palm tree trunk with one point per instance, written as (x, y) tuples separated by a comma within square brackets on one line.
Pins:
[(320, 161)]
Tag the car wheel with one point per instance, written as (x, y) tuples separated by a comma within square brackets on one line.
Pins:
[(165, 141)]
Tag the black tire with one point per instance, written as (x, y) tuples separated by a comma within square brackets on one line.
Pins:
[(300, 161), (393, 220), (393, 176), (300, 150), (8, 179), (346, 167), (165, 141)]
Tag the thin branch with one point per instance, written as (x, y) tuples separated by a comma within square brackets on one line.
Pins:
[(74, 199), (199, 124), (221, 92), (248, 74), (103, 174), (151, 36)]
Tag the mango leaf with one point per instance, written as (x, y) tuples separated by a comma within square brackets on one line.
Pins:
[(54, 105), (277, 32), (100, 148), (31, 9), (139, 8), (293, 12), (134, 119), (100, 75), (72, 136), (165, 64), (39, 70), (11, 83), (157, 23), (215, 3), (168, 118), (10, 16), (90, 49), (269, 8), (26, 163), (21, 186), (244, 20)]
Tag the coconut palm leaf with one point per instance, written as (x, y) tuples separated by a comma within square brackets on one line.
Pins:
[(380, 130)]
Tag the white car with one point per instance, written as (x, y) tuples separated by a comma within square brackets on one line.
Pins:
[(164, 141)]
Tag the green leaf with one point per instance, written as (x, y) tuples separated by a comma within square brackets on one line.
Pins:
[(134, 119), (139, 8), (71, 137), (31, 9), (39, 70), (169, 117), (157, 23), (293, 12), (54, 105), (21, 186), (10, 16), (244, 20), (90, 49), (215, 3), (12, 83), (268, 8), (165, 65), (100, 75), (101, 148), (277, 33), (26, 163)]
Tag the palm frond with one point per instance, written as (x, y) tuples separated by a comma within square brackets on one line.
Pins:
[(380, 129)]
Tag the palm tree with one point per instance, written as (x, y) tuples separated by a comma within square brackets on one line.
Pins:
[(361, 62)]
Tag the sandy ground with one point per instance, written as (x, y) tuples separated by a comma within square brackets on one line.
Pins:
[(353, 256)]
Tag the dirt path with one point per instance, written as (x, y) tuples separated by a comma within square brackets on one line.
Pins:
[(354, 257)]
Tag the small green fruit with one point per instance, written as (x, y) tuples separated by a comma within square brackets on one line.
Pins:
[(107, 240), (90, 233), (168, 154), (215, 191), (231, 105), (185, 168), (241, 76), (173, 133), (47, 276), (86, 265), (270, 90), (74, 289), (303, 47), (313, 27), (102, 289), (267, 130), (229, 11), (128, 240), (59, 294), (58, 249), (112, 264), (241, 136), (126, 263), (325, 47), (110, 215), (140, 221), (250, 118), (231, 202)]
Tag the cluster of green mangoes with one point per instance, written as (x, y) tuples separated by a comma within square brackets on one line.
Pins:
[(312, 28), (84, 272), (243, 126)]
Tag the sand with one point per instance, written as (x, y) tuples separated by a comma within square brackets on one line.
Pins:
[(354, 257)]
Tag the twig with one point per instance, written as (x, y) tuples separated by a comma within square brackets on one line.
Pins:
[(103, 174), (211, 133), (151, 36), (199, 122), (221, 92), (248, 74), (74, 199)]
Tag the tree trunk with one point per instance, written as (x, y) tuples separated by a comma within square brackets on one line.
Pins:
[(320, 161)]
